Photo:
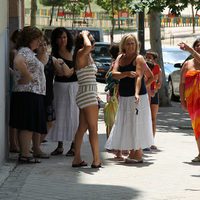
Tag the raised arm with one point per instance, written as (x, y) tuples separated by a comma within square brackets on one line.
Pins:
[(186, 47)]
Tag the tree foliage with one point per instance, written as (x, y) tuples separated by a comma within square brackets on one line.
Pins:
[(154, 9), (158, 5), (53, 2)]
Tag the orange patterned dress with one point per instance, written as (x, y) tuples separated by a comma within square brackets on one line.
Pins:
[(192, 95)]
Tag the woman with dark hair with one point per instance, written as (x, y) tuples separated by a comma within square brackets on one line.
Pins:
[(27, 112), (190, 90), (86, 98), (151, 58), (65, 89), (13, 138), (52, 67)]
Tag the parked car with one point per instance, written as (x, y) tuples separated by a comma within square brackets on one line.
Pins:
[(96, 32), (172, 56), (102, 59), (174, 80)]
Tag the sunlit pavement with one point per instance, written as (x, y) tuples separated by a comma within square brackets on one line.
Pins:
[(166, 174)]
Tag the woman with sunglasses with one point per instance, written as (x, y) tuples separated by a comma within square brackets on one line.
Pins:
[(86, 98)]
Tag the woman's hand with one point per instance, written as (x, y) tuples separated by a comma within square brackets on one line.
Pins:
[(183, 46), (85, 32), (137, 98), (131, 74)]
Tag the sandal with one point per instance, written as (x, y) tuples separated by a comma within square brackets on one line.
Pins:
[(196, 159), (81, 164), (28, 160), (133, 161), (96, 166), (57, 151), (41, 155), (70, 153)]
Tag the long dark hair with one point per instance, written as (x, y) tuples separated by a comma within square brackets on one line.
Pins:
[(56, 33), (79, 42)]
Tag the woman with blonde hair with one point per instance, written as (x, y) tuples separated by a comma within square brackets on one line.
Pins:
[(129, 131)]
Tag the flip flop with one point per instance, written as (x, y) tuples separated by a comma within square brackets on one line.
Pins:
[(96, 166), (133, 161), (28, 160), (81, 164)]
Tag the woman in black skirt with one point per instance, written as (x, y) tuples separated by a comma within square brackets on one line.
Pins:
[(27, 112)]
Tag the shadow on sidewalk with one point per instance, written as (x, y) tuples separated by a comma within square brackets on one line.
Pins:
[(174, 119)]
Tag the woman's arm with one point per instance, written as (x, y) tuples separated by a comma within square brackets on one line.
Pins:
[(83, 54), (61, 68), (119, 75), (149, 75), (21, 66), (159, 80), (140, 70), (182, 85), (185, 47)]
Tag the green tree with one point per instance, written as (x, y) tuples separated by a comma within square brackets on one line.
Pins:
[(112, 7), (154, 9), (74, 6)]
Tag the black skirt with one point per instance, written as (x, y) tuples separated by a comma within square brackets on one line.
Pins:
[(27, 112)]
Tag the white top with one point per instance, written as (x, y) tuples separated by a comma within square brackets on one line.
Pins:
[(36, 68)]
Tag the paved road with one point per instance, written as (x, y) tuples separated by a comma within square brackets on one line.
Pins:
[(165, 174), (170, 35)]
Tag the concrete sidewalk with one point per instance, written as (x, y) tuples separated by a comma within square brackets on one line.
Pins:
[(166, 174)]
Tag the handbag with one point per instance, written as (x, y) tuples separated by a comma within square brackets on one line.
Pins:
[(110, 111)]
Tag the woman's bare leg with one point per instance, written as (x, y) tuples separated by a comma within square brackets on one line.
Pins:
[(25, 138), (198, 144), (154, 111), (79, 137), (13, 138), (91, 113), (36, 143), (49, 126)]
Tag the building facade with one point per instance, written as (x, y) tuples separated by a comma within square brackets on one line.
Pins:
[(3, 78), (11, 18)]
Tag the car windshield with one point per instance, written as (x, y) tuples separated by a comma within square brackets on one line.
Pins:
[(101, 51), (174, 56)]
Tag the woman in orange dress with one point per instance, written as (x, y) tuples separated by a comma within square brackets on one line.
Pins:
[(190, 89)]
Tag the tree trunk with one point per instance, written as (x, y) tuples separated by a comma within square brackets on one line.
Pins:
[(113, 23), (33, 12), (52, 12), (155, 41), (118, 17), (193, 18)]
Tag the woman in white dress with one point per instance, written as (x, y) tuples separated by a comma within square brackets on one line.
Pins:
[(65, 89), (132, 129)]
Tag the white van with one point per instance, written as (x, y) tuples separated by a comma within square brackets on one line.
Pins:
[(96, 32)]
